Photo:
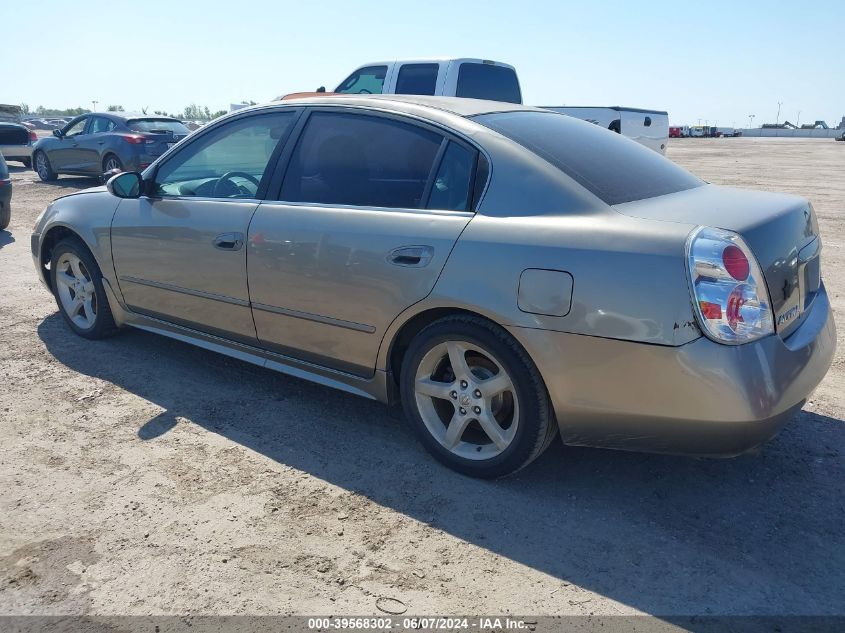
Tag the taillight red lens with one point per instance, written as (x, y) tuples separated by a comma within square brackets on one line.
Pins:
[(736, 263), (134, 139), (33, 136)]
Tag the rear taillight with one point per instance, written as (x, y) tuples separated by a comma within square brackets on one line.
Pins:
[(33, 136), (728, 290), (134, 139)]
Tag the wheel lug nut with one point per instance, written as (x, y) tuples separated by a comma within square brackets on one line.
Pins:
[(462, 411), (464, 384), (453, 395), (477, 410), (477, 393)]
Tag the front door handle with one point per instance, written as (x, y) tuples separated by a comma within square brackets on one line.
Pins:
[(229, 241), (411, 256)]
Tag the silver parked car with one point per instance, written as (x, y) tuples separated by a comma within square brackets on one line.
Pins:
[(504, 271)]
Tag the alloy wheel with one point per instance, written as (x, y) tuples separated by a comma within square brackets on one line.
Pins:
[(75, 287), (41, 166), (467, 400)]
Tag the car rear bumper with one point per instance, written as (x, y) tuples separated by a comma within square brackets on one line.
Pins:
[(701, 398), (16, 152)]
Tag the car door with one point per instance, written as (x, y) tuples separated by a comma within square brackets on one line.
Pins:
[(64, 154), (179, 251), (91, 143), (350, 242)]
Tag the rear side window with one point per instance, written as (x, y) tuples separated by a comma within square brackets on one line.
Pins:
[(360, 160), (146, 126), (368, 81), (101, 124), (486, 81), (417, 79), (451, 187), (612, 167)]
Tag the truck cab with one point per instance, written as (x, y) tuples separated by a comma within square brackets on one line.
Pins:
[(463, 77)]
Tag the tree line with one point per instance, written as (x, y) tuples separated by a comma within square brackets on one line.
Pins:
[(192, 112)]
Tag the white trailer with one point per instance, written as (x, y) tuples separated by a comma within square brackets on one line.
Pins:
[(647, 127)]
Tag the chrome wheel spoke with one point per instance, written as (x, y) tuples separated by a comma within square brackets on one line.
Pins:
[(64, 279), (495, 385), (458, 360), (495, 432), (455, 430), (434, 388)]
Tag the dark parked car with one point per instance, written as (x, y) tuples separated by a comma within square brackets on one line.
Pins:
[(16, 141), (92, 144), (5, 195)]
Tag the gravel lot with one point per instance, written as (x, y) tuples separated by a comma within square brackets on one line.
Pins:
[(140, 475)]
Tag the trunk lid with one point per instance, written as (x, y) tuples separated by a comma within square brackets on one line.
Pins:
[(781, 230)]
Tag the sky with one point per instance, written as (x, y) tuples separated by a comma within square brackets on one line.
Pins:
[(717, 62)]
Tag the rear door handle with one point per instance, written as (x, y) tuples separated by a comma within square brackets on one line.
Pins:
[(411, 256), (229, 241)]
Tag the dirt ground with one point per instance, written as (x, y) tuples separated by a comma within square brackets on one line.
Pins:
[(140, 475)]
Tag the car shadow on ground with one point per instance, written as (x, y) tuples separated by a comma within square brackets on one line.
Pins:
[(759, 534), (62, 182), (6, 238)]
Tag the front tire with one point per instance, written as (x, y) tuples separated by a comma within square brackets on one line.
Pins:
[(43, 168), (27, 162), (78, 287), (474, 397), (5, 215)]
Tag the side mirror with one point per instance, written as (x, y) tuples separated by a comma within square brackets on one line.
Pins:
[(58, 133), (321, 89), (126, 184)]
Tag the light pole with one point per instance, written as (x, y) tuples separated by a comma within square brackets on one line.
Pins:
[(798, 121), (777, 118), (750, 121), (94, 103)]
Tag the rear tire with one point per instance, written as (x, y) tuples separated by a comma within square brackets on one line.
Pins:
[(43, 168), (78, 288), (27, 162), (111, 162), (475, 398)]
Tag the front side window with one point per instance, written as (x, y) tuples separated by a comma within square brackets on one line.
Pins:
[(355, 159), (417, 79), (367, 81), (488, 81), (77, 128), (228, 162)]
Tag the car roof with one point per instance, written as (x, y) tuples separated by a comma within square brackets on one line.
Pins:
[(11, 124), (128, 116), (460, 106)]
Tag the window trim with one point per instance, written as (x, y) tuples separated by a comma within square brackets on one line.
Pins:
[(274, 192), (151, 173)]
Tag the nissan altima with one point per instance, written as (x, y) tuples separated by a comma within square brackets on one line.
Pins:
[(506, 272)]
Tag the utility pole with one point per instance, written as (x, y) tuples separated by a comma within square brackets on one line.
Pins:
[(777, 118)]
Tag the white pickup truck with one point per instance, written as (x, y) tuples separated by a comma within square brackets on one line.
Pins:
[(487, 79)]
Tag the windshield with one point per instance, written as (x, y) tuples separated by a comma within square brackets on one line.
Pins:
[(366, 81), (157, 125), (611, 167)]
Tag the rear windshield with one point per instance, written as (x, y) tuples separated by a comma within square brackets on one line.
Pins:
[(486, 81), (612, 167), (157, 125)]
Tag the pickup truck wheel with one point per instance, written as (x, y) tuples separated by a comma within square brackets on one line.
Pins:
[(42, 167), (78, 287), (474, 397)]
